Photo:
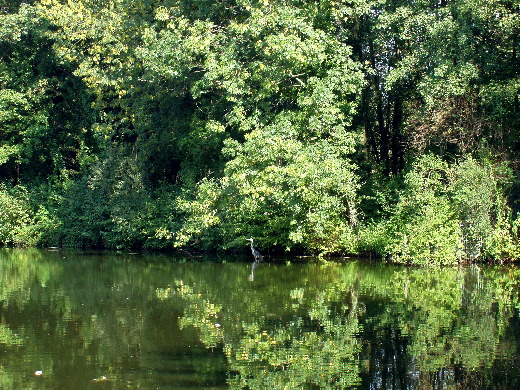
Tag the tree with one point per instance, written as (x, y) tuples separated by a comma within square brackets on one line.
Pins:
[(285, 93), (45, 111)]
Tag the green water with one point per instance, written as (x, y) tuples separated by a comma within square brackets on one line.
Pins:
[(73, 320)]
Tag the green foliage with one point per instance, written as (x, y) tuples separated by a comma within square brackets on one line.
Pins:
[(194, 124), (457, 69), (44, 110), (289, 193), (22, 222), (485, 218), (289, 181), (450, 212), (111, 208), (424, 228), (15, 216)]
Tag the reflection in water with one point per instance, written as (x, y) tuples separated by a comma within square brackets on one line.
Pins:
[(255, 264), (80, 321)]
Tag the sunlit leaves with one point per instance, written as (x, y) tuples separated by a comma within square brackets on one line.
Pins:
[(428, 230), (446, 212), (175, 51), (15, 217), (292, 89), (44, 109), (278, 184), (457, 52), (13, 107)]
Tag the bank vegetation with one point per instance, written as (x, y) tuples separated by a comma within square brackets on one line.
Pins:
[(381, 127)]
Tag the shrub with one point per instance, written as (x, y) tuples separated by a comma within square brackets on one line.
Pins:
[(15, 217), (478, 193), (423, 228), (446, 213)]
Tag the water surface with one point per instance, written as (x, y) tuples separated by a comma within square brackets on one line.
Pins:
[(72, 320)]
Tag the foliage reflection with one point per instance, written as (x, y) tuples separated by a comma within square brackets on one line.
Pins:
[(119, 321)]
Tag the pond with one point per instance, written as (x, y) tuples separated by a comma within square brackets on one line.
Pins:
[(71, 320)]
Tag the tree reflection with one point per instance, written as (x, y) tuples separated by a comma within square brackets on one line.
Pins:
[(119, 322), (441, 328), (389, 328), (289, 347)]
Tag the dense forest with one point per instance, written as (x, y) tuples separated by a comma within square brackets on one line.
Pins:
[(381, 127)]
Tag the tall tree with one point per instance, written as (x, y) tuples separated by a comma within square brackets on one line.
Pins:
[(45, 111)]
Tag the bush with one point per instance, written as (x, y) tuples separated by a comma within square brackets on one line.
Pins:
[(16, 217), (446, 213), (106, 208), (423, 228), (478, 193)]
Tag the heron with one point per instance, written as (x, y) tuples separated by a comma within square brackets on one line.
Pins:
[(258, 258)]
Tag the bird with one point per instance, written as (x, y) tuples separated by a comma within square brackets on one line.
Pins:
[(258, 259), (258, 256)]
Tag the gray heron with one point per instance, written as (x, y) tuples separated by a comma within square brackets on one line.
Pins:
[(258, 258)]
